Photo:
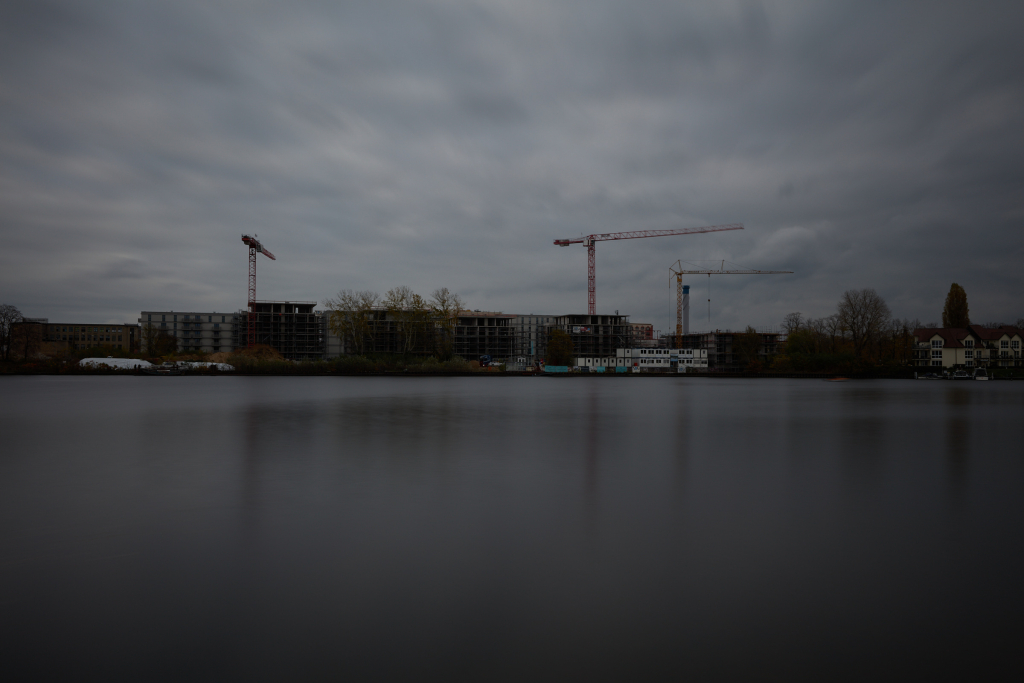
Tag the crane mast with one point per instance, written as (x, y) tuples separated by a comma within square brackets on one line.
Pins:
[(254, 247), (590, 240)]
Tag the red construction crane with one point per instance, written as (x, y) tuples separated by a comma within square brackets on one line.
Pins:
[(591, 240), (254, 246)]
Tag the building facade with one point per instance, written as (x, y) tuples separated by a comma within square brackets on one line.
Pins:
[(645, 359), (41, 337), (470, 335), (530, 337), (595, 336), (968, 347), (720, 348), (193, 331), (294, 328), (481, 333), (643, 331)]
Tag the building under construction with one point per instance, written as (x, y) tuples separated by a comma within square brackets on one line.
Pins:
[(722, 356), (484, 334), (419, 333), (294, 328), (595, 336)]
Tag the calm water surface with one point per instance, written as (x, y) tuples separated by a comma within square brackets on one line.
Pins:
[(190, 528)]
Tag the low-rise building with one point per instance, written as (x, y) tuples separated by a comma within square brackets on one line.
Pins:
[(41, 337), (645, 359), (209, 332)]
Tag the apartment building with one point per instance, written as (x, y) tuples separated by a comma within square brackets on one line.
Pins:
[(209, 332), (968, 347)]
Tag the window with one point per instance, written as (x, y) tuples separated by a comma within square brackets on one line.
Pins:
[(1003, 344), (936, 343), (149, 318), (969, 343), (968, 353), (163, 318), (969, 363), (936, 353), (936, 363), (1015, 344)]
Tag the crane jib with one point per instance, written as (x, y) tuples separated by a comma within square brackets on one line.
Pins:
[(637, 234)]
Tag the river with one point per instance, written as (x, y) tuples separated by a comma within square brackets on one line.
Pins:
[(490, 528)]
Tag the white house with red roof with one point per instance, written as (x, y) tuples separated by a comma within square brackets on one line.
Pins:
[(968, 347)]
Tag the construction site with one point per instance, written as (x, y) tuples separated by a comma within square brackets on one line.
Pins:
[(300, 332), (294, 328)]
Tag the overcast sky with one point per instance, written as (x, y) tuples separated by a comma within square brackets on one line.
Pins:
[(447, 143)]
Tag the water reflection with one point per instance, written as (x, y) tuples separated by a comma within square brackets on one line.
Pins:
[(958, 441), (525, 529)]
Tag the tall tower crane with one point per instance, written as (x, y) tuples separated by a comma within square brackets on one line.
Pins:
[(590, 240), (254, 246), (683, 291)]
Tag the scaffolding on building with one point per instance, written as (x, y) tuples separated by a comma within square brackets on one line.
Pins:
[(294, 328)]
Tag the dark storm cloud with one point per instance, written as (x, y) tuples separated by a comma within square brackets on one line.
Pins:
[(447, 143)]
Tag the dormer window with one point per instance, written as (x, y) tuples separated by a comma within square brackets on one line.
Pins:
[(969, 343), (936, 343)]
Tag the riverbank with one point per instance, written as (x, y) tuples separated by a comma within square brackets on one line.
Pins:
[(329, 369)]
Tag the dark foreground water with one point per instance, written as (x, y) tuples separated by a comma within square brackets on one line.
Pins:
[(188, 528)]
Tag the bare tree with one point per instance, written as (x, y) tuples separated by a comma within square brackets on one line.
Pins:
[(865, 315), (9, 317), (351, 318), (792, 322), (411, 314), (833, 327), (1020, 324), (820, 328), (747, 345), (446, 307)]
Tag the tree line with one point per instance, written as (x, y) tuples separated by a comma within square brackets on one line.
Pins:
[(401, 321), (862, 331)]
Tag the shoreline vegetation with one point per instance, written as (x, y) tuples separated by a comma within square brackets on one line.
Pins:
[(361, 366)]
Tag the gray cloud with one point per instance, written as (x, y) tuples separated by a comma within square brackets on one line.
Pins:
[(448, 143)]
